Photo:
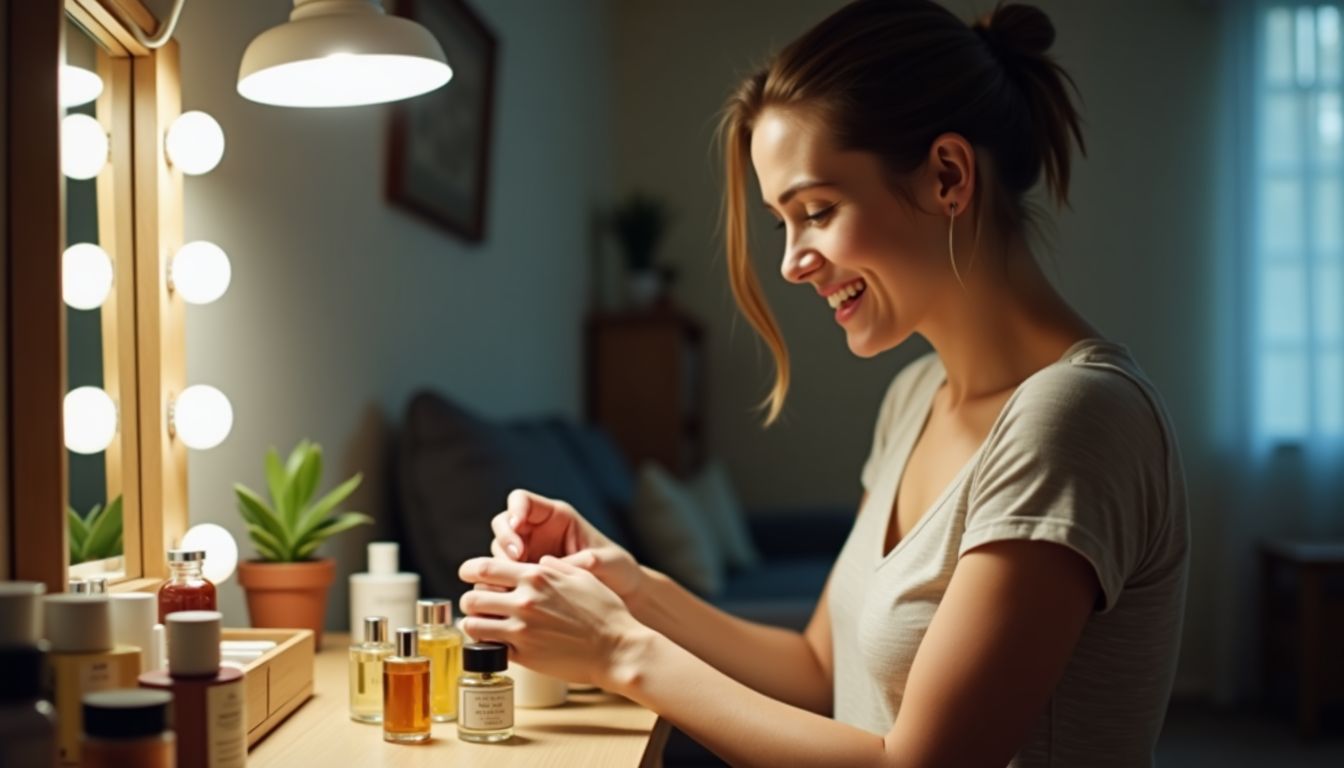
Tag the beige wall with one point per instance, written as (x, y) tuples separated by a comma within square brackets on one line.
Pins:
[(342, 306), (1134, 254)]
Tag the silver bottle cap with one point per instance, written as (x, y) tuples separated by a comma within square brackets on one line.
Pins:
[(97, 585), (186, 555), (433, 611), (78, 587), (375, 629), (407, 642)]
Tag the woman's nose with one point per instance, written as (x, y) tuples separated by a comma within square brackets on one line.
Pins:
[(798, 264)]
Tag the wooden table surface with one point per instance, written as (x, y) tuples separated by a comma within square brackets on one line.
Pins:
[(592, 729)]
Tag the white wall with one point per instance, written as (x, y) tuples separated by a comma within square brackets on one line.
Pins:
[(1134, 254), (341, 306)]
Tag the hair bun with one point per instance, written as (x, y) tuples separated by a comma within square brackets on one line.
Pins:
[(1017, 29)]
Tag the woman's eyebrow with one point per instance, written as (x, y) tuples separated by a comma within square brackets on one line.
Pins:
[(797, 187)]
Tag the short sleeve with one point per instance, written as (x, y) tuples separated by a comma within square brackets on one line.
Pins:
[(898, 394), (1077, 459)]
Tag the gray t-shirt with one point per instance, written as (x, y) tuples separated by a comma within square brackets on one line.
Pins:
[(1081, 455)]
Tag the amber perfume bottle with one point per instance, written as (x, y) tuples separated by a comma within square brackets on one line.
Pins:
[(186, 589), (441, 643), (406, 691), (366, 671), (208, 699)]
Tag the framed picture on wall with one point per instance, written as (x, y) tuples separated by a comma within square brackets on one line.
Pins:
[(439, 143)]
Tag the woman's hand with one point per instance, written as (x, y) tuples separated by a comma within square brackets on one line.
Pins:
[(557, 619), (534, 527)]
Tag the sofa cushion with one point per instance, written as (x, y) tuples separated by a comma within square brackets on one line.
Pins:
[(454, 472), (673, 534), (802, 577), (723, 513)]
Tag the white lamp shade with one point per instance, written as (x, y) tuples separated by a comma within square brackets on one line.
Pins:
[(195, 143), (201, 417), (200, 272), (90, 420), (221, 550), (79, 86), (341, 53), (83, 147), (86, 276)]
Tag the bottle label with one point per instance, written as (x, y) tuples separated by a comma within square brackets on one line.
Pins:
[(225, 726), (488, 709)]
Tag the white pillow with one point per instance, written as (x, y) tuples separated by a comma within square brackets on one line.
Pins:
[(667, 521), (723, 514)]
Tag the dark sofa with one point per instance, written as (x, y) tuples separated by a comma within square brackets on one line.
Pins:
[(454, 469)]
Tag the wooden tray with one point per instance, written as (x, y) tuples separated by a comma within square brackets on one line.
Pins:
[(277, 682)]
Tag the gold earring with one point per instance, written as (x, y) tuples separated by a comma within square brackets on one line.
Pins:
[(951, 252)]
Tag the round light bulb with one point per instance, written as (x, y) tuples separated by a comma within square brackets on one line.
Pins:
[(202, 417), (195, 143), (83, 147), (90, 420), (79, 86), (221, 550), (86, 276), (200, 272)]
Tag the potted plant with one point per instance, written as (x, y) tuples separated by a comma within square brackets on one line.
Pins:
[(639, 223), (287, 586)]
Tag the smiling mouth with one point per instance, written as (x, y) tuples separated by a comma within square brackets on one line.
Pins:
[(847, 295)]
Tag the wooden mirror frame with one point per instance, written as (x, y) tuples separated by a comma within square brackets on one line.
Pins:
[(150, 360)]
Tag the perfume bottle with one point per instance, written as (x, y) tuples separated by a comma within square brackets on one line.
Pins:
[(127, 728), (406, 692), (383, 591), (207, 710), (485, 705), (441, 643), (83, 659), (186, 589), (366, 671)]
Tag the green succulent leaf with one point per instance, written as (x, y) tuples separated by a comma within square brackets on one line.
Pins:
[(105, 528), (293, 526)]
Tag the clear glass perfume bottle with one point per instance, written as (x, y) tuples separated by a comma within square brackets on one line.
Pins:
[(406, 691), (485, 704), (366, 671), (441, 643)]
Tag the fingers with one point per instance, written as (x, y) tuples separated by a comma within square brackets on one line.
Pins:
[(483, 629), (509, 542), (526, 510), (587, 560), (488, 603), (494, 571)]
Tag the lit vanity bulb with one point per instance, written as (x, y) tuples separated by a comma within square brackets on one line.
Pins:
[(201, 417), (86, 276), (219, 546), (195, 143), (79, 86), (83, 147), (200, 272), (90, 420)]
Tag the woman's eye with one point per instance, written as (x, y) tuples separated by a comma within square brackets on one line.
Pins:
[(822, 214)]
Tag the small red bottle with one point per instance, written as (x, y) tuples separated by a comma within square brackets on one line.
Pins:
[(186, 589)]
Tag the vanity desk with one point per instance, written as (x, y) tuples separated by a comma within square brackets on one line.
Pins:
[(592, 729)]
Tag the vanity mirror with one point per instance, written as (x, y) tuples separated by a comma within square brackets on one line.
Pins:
[(93, 323)]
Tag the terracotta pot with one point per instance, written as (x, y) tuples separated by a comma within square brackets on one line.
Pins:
[(288, 595)]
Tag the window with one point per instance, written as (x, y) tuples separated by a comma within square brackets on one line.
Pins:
[(1297, 245)]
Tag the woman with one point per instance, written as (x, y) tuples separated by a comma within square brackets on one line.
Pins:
[(1012, 589)]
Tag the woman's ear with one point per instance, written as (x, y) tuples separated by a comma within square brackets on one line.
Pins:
[(952, 160)]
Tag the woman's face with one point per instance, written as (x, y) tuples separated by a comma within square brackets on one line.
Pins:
[(871, 256)]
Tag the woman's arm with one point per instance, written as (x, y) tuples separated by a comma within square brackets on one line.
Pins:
[(984, 672), (792, 667), (998, 644)]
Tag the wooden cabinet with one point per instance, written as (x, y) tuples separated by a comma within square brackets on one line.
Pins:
[(646, 385)]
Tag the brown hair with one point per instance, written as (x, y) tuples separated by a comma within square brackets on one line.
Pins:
[(890, 76)]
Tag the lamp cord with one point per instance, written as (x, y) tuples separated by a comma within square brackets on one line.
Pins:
[(165, 31)]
